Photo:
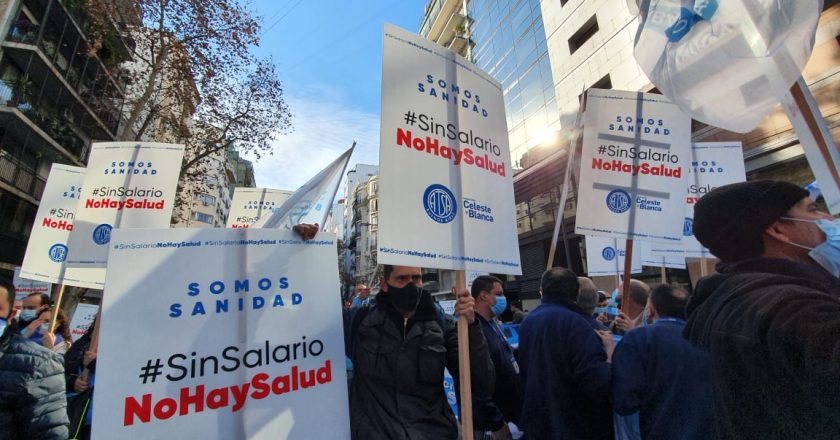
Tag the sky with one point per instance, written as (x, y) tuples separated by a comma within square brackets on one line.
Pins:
[(329, 57)]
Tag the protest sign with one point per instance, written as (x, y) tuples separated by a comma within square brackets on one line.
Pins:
[(46, 252), (605, 256), (250, 204), (24, 287), (636, 151), (446, 194), (82, 319), (127, 185), (253, 335), (675, 260)]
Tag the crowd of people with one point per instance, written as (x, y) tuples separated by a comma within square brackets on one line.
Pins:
[(752, 353)]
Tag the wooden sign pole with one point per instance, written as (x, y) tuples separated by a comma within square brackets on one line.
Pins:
[(464, 363)]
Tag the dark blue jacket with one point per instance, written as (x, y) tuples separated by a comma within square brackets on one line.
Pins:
[(490, 414), (666, 380), (564, 374)]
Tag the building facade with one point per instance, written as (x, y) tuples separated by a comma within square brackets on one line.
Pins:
[(56, 95), (569, 46)]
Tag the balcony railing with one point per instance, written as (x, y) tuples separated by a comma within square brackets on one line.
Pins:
[(20, 176)]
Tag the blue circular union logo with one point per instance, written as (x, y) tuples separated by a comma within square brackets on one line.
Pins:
[(618, 201), (687, 226), (58, 252), (608, 253), (440, 203), (102, 234)]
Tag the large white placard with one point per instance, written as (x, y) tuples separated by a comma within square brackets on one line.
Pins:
[(82, 319), (46, 252), (25, 287), (221, 334), (674, 260), (127, 185), (446, 192), (250, 204), (605, 256), (634, 167)]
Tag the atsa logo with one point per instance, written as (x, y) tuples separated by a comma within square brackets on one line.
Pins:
[(58, 252), (608, 253), (102, 234), (440, 203), (687, 226), (618, 201)]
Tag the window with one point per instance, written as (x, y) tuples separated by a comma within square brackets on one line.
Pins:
[(205, 199), (603, 83), (583, 34), (202, 217)]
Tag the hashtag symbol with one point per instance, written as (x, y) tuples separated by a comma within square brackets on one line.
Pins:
[(96, 191), (602, 149), (410, 117), (52, 211), (151, 370)]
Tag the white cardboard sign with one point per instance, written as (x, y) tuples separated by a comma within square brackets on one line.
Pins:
[(634, 167), (250, 204), (25, 287), (82, 319), (446, 189), (46, 252), (674, 260), (605, 256), (127, 185), (253, 335)]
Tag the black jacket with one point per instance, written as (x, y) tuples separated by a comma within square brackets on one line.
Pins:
[(397, 387), (505, 405), (772, 327), (32, 402)]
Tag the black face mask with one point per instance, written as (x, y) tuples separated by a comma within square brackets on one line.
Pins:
[(404, 299)]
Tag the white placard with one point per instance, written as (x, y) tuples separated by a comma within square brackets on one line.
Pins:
[(25, 287), (250, 204), (46, 252), (448, 306), (82, 319), (605, 256), (674, 260), (634, 167), (715, 164), (257, 310), (127, 185), (446, 190)]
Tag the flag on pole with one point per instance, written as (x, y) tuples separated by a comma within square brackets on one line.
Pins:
[(311, 203)]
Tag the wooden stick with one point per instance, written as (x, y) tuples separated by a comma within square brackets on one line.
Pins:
[(628, 267), (464, 364), (57, 307), (94, 341), (663, 274), (703, 270)]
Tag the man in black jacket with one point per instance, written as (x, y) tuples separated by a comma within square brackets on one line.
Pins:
[(493, 414), (399, 352), (32, 402), (771, 317)]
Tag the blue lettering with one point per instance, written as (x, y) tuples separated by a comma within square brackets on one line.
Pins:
[(221, 305), (192, 289), (175, 310), (258, 302), (198, 309), (217, 287), (296, 298), (284, 283), (240, 285)]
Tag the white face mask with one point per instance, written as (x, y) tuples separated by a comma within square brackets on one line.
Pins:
[(826, 254)]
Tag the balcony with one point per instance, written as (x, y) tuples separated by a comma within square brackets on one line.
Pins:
[(15, 173), (56, 54)]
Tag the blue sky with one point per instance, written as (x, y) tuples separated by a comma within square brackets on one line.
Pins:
[(329, 56)]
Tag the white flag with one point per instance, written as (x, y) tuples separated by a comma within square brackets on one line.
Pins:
[(311, 202)]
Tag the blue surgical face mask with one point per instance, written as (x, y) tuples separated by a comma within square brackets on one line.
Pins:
[(826, 254), (27, 315), (500, 306), (3, 324), (45, 327)]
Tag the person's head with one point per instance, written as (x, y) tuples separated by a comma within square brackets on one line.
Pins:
[(489, 296), (587, 295), (636, 300), (759, 218), (603, 298), (401, 285), (62, 326), (559, 282), (7, 298), (32, 305), (667, 301), (362, 291)]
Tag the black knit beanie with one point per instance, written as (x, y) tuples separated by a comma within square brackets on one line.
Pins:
[(731, 219)]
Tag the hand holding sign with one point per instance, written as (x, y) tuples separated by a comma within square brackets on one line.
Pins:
[(465, 305), (306, 232)]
